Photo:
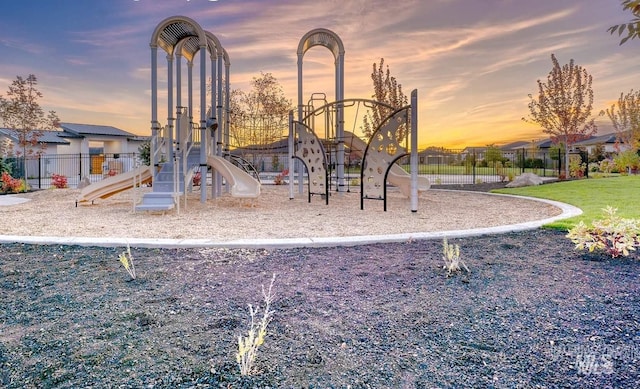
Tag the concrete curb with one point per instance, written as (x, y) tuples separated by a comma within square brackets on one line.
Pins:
[(567, 212)]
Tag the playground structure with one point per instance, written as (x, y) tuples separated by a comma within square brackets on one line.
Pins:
[(184, 146), (395, 137)]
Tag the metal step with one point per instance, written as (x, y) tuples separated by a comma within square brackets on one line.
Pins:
[(152, 207), (162, 197), (156, 201)]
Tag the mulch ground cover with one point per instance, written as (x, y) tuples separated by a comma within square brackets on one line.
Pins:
[(532, 313)]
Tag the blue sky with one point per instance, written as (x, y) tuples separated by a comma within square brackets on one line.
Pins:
[(473, 61)]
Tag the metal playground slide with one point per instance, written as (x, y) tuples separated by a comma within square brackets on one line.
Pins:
[(241, 183), (115, 184)]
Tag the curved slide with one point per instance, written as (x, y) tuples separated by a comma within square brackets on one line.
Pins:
[(397, 176), (115, 184), (241, 183)]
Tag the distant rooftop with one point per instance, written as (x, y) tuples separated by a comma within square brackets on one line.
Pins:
[(91, 129), (49, 137)]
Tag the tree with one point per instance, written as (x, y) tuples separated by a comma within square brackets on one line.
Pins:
[(493, 155), (20, 112), (633, 27), (625, 117), (387, 90), (563, 106), (261, 116)]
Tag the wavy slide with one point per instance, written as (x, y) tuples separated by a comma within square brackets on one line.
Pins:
[(115, 184), (241, 183), (397, 176)]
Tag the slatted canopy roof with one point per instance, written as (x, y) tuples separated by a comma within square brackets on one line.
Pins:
[(179, 29)]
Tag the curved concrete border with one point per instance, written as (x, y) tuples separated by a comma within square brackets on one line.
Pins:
[(12, 199), (567, 212)]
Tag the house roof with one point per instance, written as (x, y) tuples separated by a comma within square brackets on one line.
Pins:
[(92, 129), (515, 145), (48, 137), (597, 140)]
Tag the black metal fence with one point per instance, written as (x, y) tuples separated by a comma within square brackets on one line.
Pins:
[(440, 166), (76, 167), (474, 166)]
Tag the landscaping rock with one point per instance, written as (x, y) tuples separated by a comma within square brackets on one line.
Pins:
[(525, 179), (84, 182)]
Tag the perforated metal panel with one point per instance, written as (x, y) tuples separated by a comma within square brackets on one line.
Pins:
[(384, 148), (310, 150)]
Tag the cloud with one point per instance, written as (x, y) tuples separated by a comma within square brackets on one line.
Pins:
[(24, 46)]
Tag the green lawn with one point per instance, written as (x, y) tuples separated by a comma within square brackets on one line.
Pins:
[(590, 195)]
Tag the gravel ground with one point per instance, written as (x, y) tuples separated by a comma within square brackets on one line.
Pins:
[(532, 313)]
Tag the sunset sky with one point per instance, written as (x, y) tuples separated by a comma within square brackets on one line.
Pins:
[(473, 62)]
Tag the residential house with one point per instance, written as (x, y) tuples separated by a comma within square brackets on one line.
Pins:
[(609, 142), (80, 150), (48, 144)]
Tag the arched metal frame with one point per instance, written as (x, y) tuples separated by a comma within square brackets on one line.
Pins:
[(296, 150), (382, 151), (330, 40), (181, 37)]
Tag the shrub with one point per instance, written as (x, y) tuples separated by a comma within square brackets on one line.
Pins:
[(451, 257), (145, 153), (607, 166), (248, 345), (279, 179), (576, 166), (197, 177), (501, 171), (627, 160), (9, 184), (612, 234), (5, 166), (59, 181)]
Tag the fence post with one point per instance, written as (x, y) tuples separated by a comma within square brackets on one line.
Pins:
[(560, 158), (80, 167), (474, 167), (39, 171), (586, 162)]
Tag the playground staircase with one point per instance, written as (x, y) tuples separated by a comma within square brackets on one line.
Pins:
[(163, 196)]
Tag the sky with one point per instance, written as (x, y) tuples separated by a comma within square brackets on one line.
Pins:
[(473, 62)]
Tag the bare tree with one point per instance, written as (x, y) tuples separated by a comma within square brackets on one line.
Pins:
[(563, 106), (387, 90), (21, 112), (625, 117), (633, 27), (259, 117)]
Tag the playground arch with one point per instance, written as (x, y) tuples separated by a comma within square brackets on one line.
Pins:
[(330, 40), (180, 37)]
